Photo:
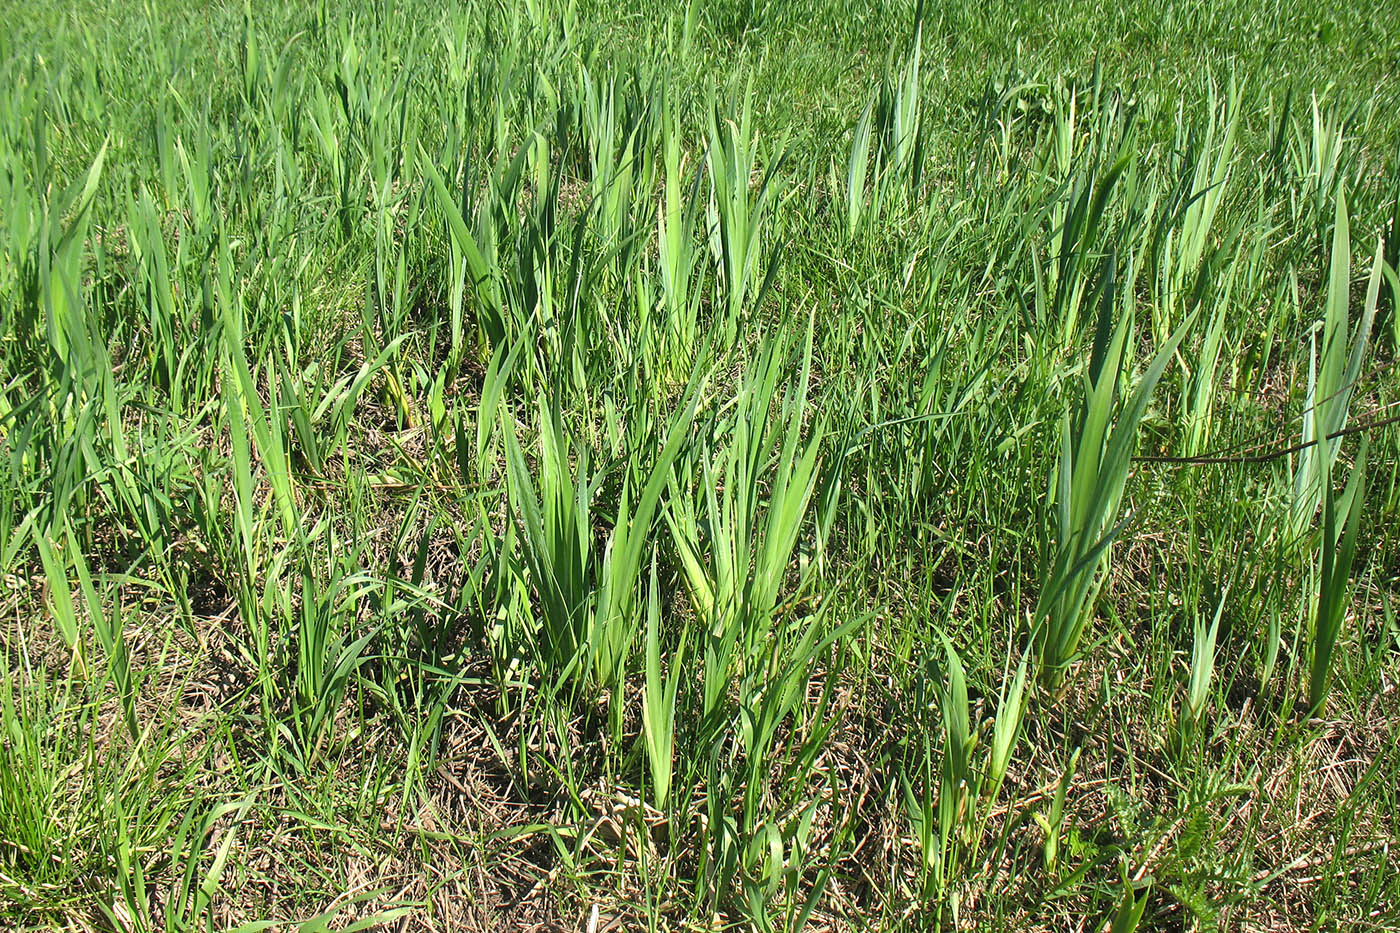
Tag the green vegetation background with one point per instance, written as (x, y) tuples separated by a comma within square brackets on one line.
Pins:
[(481, 464)]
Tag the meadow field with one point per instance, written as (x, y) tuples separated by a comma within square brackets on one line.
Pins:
[(746, 464)]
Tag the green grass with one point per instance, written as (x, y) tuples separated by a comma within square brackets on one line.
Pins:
[(754, 465)]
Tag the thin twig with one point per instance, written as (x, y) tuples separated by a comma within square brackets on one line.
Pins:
[(1209, 459)]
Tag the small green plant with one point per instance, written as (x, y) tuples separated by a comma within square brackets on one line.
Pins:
[(677, 252), (659, 698), (1341, 523), (1332, 383), (1203, 645), (949, 818), (588, 594), (738, 216), (1095, 461), (1131, 909), (1052, 821)]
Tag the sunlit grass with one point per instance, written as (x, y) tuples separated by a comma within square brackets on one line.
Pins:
[(715, 466)]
